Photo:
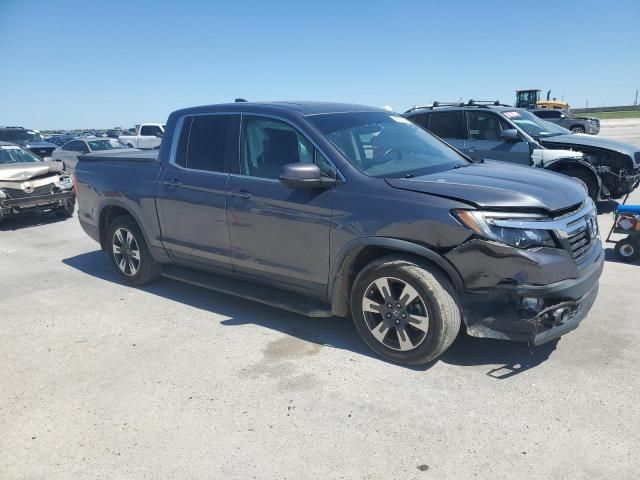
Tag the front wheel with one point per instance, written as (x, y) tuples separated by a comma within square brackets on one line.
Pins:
[(627, 249), (404, 311), (67, 210), (577, 129), (587, 179), (129, 253)]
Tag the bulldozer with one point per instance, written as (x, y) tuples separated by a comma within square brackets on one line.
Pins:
[(531, 99)]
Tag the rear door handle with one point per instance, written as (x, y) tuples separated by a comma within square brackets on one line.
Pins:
[(172, 182), (240, 193)]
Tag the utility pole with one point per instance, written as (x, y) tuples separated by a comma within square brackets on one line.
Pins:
[(587, 103), (636, 101)]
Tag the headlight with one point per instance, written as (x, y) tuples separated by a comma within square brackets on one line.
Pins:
[(65, 182), (503, 228)]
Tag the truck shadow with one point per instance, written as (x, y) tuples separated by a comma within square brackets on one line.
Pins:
[(29, 220), (340, 333)]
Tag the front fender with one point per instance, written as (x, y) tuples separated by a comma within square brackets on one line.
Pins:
[(564, 163), (342, 273)]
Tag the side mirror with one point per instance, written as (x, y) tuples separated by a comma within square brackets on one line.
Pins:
[(159, 134), (510, 135), (303, 175)]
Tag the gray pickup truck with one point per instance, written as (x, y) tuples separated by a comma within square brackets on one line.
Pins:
[(333, 209)]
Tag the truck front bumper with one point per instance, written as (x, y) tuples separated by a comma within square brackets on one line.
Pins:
[(16, 206), (532, 300)]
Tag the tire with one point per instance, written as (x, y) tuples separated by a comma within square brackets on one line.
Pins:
[(134, 263), (410, 330), (67, 210), (587, 179), (627, 249), (577, 129)]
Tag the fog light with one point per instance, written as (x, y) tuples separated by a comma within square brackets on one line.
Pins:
[(560, 315), (531, 304)]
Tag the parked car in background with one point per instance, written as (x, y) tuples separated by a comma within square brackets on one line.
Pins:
[(69, 152), (28, 184), (484, 132), (568, 120), (334, 209), (30, 139), (617, 163), (113, 133), (146, 136)]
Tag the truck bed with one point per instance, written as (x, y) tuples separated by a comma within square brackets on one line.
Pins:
[(133, 156), (124, 179)]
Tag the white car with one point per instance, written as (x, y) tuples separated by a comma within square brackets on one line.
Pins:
[(146, 136), (69, 152)]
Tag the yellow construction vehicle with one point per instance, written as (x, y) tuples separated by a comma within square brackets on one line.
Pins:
[(531, 99)]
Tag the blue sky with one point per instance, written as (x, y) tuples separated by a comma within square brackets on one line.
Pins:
[(68, 64)]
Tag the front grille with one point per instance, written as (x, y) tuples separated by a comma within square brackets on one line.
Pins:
[(42, 152), (37, 191), (581, 238)]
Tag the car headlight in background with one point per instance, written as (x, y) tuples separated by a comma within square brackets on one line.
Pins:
[(65, 182), (484, 224)]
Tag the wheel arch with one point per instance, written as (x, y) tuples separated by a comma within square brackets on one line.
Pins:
[(562, 165), (108, 213), (360, 252)]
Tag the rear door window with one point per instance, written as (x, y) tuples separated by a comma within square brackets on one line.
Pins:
[(421, 119), (208, 142), (448, 124)]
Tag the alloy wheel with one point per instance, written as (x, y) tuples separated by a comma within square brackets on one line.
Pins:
[(395, 313), (626, 250), (126, 251)]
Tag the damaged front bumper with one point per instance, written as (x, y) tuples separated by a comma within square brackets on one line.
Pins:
[(529, 296), (16, 206)]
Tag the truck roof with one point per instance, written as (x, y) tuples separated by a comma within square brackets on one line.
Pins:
[(302, 108)]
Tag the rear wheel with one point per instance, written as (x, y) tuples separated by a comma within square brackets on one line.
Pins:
[(577, 129), (404, 311), (129, 253), (627, 249)]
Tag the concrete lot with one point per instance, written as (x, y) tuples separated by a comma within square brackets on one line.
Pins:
[(101, 380)]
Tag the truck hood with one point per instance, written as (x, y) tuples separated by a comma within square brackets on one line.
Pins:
[(590, 141), (16, 172), (497, 186)]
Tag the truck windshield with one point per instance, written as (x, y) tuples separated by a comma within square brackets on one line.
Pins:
[(15, 154), (18, 135), (382, 144), (533, 125)]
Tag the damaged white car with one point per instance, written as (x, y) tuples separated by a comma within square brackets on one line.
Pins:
[(29, 184)]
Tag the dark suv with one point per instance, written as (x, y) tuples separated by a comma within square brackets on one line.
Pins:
[(29, 139), (332, 209)]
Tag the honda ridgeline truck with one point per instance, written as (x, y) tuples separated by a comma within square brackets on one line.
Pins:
[(331, 209)]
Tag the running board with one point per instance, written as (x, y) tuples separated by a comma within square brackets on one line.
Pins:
[(258, 293)]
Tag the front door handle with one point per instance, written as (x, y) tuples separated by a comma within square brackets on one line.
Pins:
[(240, 193)]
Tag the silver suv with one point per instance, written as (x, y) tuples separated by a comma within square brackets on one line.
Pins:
[(566, 119)]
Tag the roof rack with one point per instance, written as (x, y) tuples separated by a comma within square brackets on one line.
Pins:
[(470, 103)]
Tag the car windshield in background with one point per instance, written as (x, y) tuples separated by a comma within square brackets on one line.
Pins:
[(382, 144), (14, 154), (21, 136), (106, 144), (533, 125)]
